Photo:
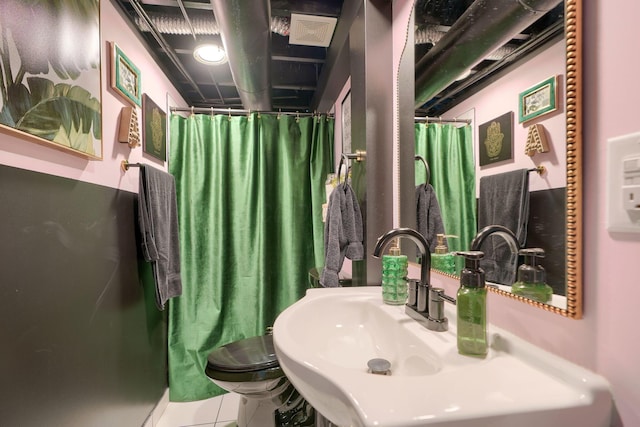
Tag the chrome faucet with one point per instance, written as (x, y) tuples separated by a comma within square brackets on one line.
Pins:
[(505, 233), (500, 230), (429, 299)]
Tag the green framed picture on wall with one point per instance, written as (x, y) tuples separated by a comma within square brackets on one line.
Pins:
[(125, 76), (538, 100)]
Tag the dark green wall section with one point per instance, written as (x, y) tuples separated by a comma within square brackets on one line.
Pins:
[(547, 230), (82, 342)]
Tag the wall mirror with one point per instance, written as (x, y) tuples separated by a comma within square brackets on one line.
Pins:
[(463, 53)]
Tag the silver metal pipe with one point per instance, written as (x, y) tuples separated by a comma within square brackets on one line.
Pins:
[(241, 112), (441, 120), (245, 29), (485, 26)]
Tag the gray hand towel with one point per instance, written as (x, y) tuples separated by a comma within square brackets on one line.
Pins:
[(428, 215), (158, 219), (343, 233), (504, 200)]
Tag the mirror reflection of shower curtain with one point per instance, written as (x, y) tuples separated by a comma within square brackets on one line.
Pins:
[(250, 193), (448, 149)]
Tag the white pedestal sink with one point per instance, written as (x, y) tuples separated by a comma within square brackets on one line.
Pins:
[(324, 341)]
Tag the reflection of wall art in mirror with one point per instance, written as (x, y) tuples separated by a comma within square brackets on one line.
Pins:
[(496, 139), (538, 100), (154, 128), (51, 91), (125, 76), (346, 123)]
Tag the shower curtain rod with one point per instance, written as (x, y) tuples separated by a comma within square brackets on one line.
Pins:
[(441, 120), (240, 112)]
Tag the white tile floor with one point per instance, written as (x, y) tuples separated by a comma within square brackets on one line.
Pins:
[(220, 411)]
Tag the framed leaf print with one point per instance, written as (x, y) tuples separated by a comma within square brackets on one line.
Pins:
[(50, 93)]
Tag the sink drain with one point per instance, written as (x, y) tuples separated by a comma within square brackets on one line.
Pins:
[(379, 366)]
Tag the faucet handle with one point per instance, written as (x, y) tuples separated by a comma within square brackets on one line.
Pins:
[(436, 321)]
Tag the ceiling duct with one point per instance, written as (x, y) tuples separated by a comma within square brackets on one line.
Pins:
[(201, 25), (483, 28), (245, 28)]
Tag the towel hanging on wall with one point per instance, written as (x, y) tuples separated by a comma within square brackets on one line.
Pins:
[(504, 200), (343, 233), (158, 219)]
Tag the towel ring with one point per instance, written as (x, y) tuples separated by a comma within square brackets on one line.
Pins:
[(426, 168), (343, 160)]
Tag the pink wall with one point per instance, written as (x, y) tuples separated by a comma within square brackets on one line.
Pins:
[(501, 97), (23, 154), (607, 339)]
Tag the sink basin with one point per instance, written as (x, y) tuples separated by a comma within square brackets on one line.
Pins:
[(324, 341)]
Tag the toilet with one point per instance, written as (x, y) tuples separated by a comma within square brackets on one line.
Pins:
[(249, 367)]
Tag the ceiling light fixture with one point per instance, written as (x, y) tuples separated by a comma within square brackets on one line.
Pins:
[(210, 54)]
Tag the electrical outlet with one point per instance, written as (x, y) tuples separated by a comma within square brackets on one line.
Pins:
[(623, 183)]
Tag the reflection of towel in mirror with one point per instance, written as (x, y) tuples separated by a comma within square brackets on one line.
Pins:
[(343, 233), (504, 200), (158, 219), (428, 215)]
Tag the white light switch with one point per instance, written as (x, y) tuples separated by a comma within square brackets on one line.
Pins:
[(631, 184), (623, 184)]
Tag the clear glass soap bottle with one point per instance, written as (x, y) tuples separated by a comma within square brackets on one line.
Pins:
[(442, 259), (532, 277), (472, 307), (394, 277)]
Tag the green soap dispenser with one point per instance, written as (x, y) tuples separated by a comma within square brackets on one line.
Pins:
[(443, 260), (394, 277), (531, 277), (472, 307)]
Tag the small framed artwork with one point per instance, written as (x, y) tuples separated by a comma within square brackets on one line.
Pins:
[(538, 100), (154, 129), (125, 76), (495, 142)]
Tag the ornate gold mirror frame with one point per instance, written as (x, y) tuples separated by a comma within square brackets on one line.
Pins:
[(573, 94)]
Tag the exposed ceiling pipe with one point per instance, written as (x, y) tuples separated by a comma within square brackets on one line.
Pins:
[(207, 25), (484, 27), (432, 34), (245, 28), (201, 25)]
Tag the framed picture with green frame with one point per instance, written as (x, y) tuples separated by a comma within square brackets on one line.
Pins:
[(538, 100), (126, 79)]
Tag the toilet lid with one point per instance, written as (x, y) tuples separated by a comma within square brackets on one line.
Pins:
[(246, 355)]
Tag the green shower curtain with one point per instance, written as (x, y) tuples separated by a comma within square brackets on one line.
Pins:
[(448, 150), (250, 191)]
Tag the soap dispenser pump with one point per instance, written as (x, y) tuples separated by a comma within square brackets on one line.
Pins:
[(531, 282), (472, 306), (394, 276), (443, 260)]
